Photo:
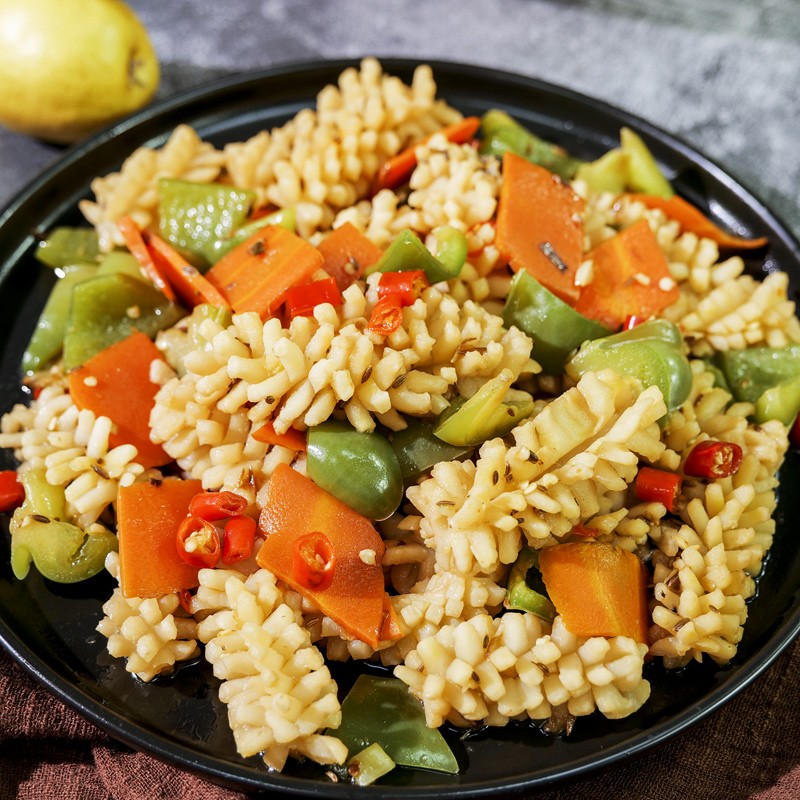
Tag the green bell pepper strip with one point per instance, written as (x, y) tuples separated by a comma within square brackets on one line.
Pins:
[(492, 411), (373, 762), (360, 469), (501, 133), (383, 710), (418, 449), (519, 595), (780, 402), (408, 253), (644, 174), (107, 309), (283, 218), (65, 246), (120, 261), (48, 336), (556, 328), (62, 552), (609, 173), (192, 217), (752, 371)]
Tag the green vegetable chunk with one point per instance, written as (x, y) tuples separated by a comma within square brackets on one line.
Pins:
[(609, 173), (120, 261), (371, 763), (781, 402), (194, 216), (644, 174), (107, 309), (383, 710), (418, 449), (519, 595), (407, 252), (360, 469), (65, 246), (62, 552), (501, 133), (556, 329), (752, 371), (492, 411)]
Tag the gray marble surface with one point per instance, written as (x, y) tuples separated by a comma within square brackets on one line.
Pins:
[(720, 74)]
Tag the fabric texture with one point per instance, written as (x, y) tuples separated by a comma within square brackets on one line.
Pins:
[(748, 749)]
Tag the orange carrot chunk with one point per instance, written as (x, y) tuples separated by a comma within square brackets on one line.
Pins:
[(135, 242), (292, 439), (347, 253), (630, 276), (115, 383), (148, 517), (255, 275), (598, 589), (539, 226), (354, 596), (693, 220)]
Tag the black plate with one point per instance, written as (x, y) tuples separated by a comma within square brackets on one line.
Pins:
[(49, 629)]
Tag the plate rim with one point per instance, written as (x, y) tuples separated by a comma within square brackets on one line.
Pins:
[(222, 771)]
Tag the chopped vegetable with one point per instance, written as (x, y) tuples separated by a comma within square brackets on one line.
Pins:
[(313, 561), (66, 246), (417, 449), (644, 174), (386, 316), (522, 597), (555, 328), (148, 516), (359, 468), (301, 300), (135, 242), (598, 589), (750, 372), (609, 173), (214, 506), (255, 275), (295, 506), (115, 383), (347, 254), (383, 710), (197, 542), (371, 763), (283, 218), (539, 226), (292, 439), (658, 486), (630, 275), (781, 402), (712, 459), (398, 168), (12, 492), (407, 253), (238, 540), (407, 286)]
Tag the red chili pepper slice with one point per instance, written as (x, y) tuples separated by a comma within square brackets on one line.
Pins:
[(631, 321), (408, 285), (584, 532), (197, 542), (238, 539), (658, 486), (301, 300), (12, 492), (185, 597), (313, 561), (711, 459), (386, 316), (213, 506)]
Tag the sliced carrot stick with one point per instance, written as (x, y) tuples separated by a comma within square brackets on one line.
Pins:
[(347, 253), (539, 225), (292, 439), (398, 168), (630, 276), (188, 282), (148, 516), (115, 383), (295, 507), (391, 629), (255, 275), (693, 220), (135, 242), (597, 588)]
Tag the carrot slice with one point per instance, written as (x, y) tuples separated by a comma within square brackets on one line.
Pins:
[(630, 277), (693, 220), (292, 439), (148, 516), (398, 168), (539, 226), (115, 383), (296, 506), (347, 253), (598, 589), (255, 275), (135, 242)]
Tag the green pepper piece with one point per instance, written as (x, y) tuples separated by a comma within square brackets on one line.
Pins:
[(752, 371), (418, 449), (48, 336), (194, 216), (65, 246), (383, 710), (407, 252), (609, 173), (371, 763), (519, 595), (360, 469), (660, 330), (501, 133), (492, 411), (720, 381), (120, 261), (556, 329), (179, 340), (644, 174), (62, 552), (109, 308), (283, 218), (781, 402)]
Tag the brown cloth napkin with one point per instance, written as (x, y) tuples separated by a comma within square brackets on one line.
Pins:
[(748, 749)]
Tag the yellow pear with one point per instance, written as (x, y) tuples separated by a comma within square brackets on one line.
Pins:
[(70, 67)]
